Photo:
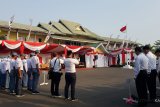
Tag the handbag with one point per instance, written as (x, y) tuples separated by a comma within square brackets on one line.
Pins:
[(50, 72)]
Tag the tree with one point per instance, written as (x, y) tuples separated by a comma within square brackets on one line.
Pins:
[(157, 44), (3, 37)]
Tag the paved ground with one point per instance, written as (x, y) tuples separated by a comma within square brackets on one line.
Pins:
[(102, 87)]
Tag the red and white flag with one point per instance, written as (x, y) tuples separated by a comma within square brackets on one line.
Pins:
[(123, 29)]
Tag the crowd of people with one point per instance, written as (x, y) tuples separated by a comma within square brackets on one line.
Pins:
[(146, 70), (19, 72)]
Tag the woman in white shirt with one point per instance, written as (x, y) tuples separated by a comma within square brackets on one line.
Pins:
[(70, 76)]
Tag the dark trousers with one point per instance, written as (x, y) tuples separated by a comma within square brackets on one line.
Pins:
[(2, 80), (141, 85), (70, 81), (30, 78), (18, 84), (12, 82), (151, 82), (55, 83), (159, 76), (35, 80)]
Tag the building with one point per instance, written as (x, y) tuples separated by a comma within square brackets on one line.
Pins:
[(62, 32)]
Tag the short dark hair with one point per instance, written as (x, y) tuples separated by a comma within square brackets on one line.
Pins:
[(69, 52), (138, 49), (54, 54), (147, 47)]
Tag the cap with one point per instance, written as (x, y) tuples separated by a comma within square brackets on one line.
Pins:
[(15, 54), (37, 51)]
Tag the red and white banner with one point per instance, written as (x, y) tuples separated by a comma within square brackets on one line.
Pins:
[(116, 52), (128, 50), (33, 47), (12, 44), (74, 48)]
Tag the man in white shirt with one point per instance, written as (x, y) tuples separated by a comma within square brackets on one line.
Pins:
[(30, 72), (3, 73), (140, 72), (152, 72), (55, 66), (70, 76), (7, 60), (158, 62), (35, 72), (25, 70), (19, 72), (12, 73)]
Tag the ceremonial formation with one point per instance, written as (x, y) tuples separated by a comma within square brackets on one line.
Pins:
[(146, 70), (21, 72), (26, 52)]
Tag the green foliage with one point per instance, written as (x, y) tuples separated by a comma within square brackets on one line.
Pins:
[(3, 37)]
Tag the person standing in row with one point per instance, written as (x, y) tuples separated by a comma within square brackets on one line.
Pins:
[(70, 74), (35, 72), (152, 72), (140, 72), (56, 77), (25, 70), (30, 77), (12, 73), (3, 74), (158, 63), (7, 61), (19, 72)]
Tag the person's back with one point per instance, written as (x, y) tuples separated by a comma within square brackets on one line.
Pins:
[(70, 76), (70, 65)]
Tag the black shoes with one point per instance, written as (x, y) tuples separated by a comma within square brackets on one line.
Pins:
[(35, 92)]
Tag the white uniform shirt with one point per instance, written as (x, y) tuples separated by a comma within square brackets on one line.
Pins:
[(25, 65), (70, 65), (29, 63), (35, 61), (141, 63), (6, 64), (19, 63), (0, 66), (3, 67), (158, 65), (152, 61), (56, 65), (12, 64)]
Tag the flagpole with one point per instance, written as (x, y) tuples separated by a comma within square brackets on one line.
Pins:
[(10, 24), (109, 41), (30, 29), (8, 34)]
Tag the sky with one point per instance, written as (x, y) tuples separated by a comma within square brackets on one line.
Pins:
[(104, 17)]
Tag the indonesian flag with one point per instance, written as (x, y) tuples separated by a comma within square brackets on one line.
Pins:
[(123, 29)]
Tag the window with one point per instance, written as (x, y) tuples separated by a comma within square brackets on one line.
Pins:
[(21, 38)]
